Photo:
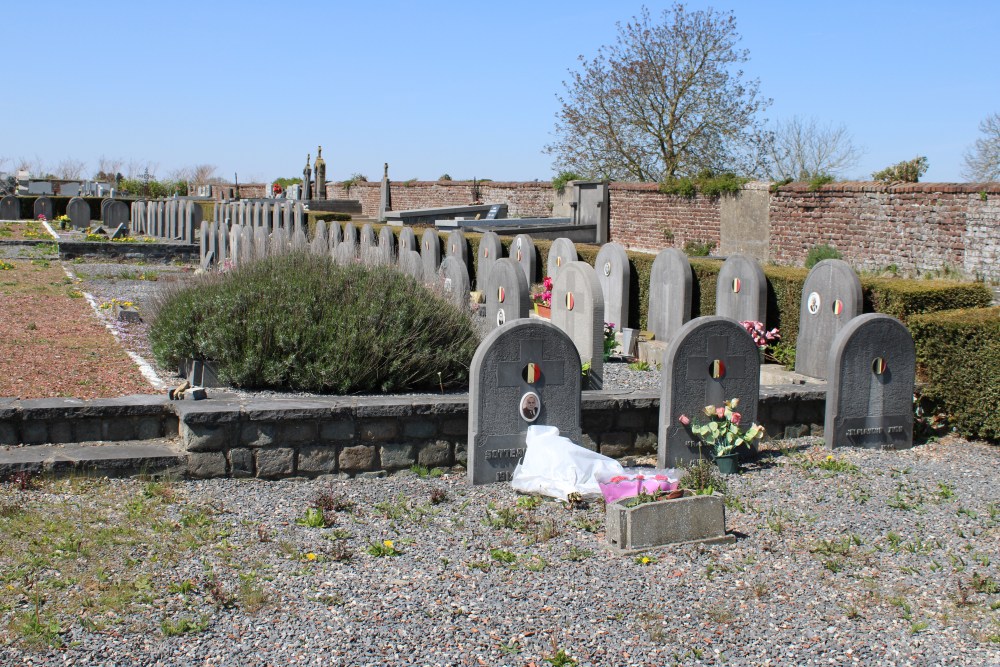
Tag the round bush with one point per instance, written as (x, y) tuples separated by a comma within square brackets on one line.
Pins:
[(818, 253), (300, 322)]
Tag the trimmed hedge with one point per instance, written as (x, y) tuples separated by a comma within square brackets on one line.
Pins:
[(958, 355), (298, 321)]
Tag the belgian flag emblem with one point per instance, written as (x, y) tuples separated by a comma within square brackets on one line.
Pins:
[(519, 254), (879, 366), (718, 369), (486, 252), (532, 373), (838, 307), (737, 284), (570, 301), (558, 261), (500, 294)]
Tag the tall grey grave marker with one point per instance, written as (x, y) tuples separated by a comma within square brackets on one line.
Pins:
[(741, 293), (387, 252), (350, 234), (525, 372), (615, 276), (115, 213), (489, 251), (578, 309), (871, 372), (831, 297), (78, 211), (44, 206), (522, 250), (670, 287), (407, 240), (457, 247), (320, 245), (336, 234), (453, 282), (710, 361), (430, 253), (411, 264), (507, 296), (561, 253), (10, 208)]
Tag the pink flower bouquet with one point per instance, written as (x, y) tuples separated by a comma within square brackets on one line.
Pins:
[(634, 481)]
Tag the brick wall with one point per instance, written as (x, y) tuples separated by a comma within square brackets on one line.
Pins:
[(644, 219), (532, 199)]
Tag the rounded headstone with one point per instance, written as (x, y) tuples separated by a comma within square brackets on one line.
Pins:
[(366, 238), (670, 287), (489, 251), (561, 253), (248, 249), (831, 297), (871, 374), (578, 309), (456, 246), (522, 250), (44, 206), (453, 282), (336, 233), (115, 213), (615, 276), (345, 254), (320, 244), (411, 264), (387, 246), (506, 292), (710, 360), (407, 240), (78, 211), (430, 252), (741, 292)]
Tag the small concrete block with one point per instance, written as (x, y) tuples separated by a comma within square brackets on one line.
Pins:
[(342, 429), (462, 453), (34, 432), (88, 430), (796, 431), (357, 458), (203, 437), (120, 428), (296, 432), (60, 431), (397, 456), (456, 426), (679, 521), (588, 443), (616, 444), (148, 428), (379, 430), (277, 462), (434, 454), (241, 462), (317, 460), (206, 465), (8, 434), (195, 394), (257, 434), (652, 352), (419, 428)]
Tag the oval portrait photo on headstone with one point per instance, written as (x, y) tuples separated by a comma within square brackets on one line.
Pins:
[(530, 406), (813, 303), (501, 317)]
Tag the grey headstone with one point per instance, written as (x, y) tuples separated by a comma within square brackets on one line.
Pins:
[(223, 252), (522, 250), (670, 286), (614, 274), (78, 211), (507, 293), (456, 246), (350, 234), (260, 242), (831, 297), (298, 217), (212, 244), (320, 244), (43, 206), (345, 254), (279, 243), (237, 254), (498, 385), (276, 210), (489, 251), (203, 244), (367, 238), (453, 282), (407, 240), (430, 252), (336, 233), (741, 293), (115, 213), (299, 240), (710, 360), (578, 309), (248, 251), (195, 215), (411, 264), (387, 246), (561, 253), (118, 232), (871, 373)]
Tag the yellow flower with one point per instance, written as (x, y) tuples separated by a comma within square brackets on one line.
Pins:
[(829, 457), (388, 544), (310, 556), (645, 560)]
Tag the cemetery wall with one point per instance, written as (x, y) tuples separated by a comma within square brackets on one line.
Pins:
[(642, 218), (528, 199)]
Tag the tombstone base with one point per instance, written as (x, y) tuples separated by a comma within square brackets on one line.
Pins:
[(652, 351), (682, 521)]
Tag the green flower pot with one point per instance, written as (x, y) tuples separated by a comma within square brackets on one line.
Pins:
[(728, 464)]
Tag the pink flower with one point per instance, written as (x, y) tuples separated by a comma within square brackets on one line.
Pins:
[(618, 478), (684, 419), (660, 478), (640, 477), (720, 412), (736, 418)]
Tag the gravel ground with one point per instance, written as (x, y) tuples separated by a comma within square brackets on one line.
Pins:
[(872, 558)]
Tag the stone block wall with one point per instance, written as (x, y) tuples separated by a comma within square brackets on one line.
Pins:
[(644, 219)]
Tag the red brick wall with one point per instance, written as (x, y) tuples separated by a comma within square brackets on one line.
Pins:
[(532, 199), (644, 219)]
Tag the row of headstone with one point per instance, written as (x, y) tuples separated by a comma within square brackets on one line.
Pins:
[(267, 213), (174, 220), (527, 372)]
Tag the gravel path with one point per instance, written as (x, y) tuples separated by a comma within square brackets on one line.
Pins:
[(870, 558)]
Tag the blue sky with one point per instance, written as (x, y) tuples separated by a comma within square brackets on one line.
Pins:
[(463, 88)]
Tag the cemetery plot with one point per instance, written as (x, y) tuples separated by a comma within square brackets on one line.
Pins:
[(23, 231)]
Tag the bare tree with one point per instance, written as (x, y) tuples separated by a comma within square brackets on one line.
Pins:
[(803, 149), (136, 168), (667, 99), (982, 161), (34, 166), (108, 168), (70, 169), (202, 174)]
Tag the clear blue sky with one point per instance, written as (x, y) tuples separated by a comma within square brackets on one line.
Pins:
[(464, 88)]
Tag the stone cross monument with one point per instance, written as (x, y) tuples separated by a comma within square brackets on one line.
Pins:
[(320, 167)]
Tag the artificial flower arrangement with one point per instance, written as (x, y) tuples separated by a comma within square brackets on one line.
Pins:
[(63, 221), (761, 336), (723, 432), (636, 481), (609, 340), (544, 298)]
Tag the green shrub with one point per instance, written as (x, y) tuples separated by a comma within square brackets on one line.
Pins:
[(818, 253), (564, 177), (908, 171), (444, 177), (698, 248), (958, 353), (818, 181), (706, 182), (679, 187), (300, 322)]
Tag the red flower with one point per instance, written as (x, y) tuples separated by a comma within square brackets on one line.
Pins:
[(720, 412), (684, 419), (618, 478), (736, 418)]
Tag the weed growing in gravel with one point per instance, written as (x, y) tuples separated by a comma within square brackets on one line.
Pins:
[(587, 524), (328, 501), (438, 496), (645, 560), (576, 554), (985, 584), (424, 472), (560, 658), (503, 556), (536, 564), (508, 518), (529, 502), (314, 518), (383, 549), (703, 478), (546, 530), (183, 626), (252, 597)]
